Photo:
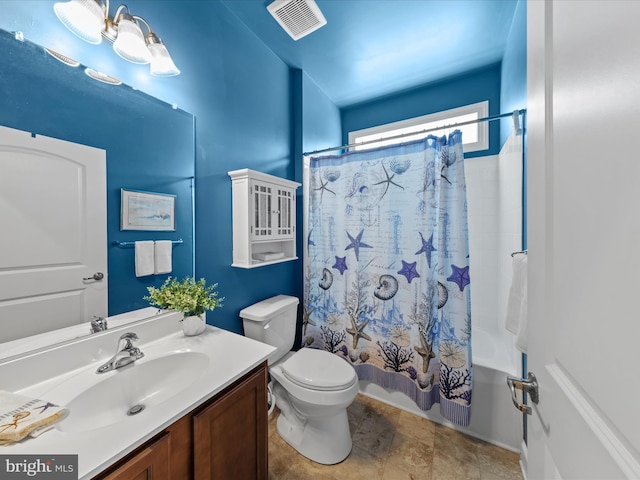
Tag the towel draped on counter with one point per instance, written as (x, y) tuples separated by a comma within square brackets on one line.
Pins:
[(22, 416)]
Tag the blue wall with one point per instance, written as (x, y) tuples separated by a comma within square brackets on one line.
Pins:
[(244, 120), (513, 92), (321, 118), (316, 124), (472, 87)]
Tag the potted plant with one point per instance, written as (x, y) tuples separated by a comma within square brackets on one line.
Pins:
[(190, 297)]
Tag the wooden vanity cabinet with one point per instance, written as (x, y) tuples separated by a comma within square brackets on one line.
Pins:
[(230, 434), (225, 438), (149, 462)]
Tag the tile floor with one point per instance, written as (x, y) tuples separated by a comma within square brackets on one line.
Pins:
[(391, 444)]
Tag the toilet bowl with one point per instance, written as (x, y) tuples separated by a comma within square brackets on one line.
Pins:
[(313, 418), (312, 388)]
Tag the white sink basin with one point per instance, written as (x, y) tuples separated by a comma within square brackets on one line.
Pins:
[(132, 390)]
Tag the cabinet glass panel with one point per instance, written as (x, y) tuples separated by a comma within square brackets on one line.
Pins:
[(262, 211), (285, 220)]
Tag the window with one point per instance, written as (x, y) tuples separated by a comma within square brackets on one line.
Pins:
[(475, 136)]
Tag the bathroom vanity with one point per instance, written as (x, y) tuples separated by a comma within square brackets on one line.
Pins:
[(225, 438), (205, 414)]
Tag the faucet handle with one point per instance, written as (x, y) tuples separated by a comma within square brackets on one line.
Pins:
[(136, 353), (129, 338), (98, 324)]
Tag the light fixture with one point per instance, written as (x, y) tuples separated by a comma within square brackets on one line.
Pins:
[(89, 20)]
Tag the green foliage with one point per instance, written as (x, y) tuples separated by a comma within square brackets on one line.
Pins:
[(186, 296)]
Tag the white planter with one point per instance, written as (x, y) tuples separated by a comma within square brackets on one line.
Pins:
[(194, 325)]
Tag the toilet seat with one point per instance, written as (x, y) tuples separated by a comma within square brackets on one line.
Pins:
[(318, 370)]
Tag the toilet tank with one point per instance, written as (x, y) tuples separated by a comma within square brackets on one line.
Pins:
[(272, 321)]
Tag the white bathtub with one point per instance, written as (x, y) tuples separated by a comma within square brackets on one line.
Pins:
[(493, 416)]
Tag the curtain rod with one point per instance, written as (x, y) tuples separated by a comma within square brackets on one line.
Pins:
[(513, 114)]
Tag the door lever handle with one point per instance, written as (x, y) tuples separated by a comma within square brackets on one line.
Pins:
[(96, 276), (528, 385)]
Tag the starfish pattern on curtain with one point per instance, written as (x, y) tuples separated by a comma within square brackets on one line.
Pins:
[(387, 283)]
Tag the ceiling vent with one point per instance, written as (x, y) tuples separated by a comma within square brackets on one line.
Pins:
[(297, 17)]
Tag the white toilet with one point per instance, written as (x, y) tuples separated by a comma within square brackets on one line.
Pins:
[(312, 388)]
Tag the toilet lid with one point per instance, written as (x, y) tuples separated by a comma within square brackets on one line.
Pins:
[(318, 370)]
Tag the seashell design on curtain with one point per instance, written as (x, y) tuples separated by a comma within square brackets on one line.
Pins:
[(387, 283)]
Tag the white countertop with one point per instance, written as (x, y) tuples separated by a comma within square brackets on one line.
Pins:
[(40, 375)]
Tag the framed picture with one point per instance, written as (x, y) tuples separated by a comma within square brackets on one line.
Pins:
[(147, 211)]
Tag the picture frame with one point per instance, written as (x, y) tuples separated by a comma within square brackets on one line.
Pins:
[(141, 210)]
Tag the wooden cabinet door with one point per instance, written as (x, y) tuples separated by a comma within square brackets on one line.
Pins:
[(230, 435), (151, 463)]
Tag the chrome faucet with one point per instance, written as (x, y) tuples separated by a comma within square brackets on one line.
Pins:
[(125, 355), (98, 324)]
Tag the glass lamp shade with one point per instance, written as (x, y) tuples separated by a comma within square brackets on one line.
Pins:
[(129, 43), (84, 18), (161, 62)]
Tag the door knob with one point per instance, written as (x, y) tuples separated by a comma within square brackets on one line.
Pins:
[(96, 276), (528, 385)]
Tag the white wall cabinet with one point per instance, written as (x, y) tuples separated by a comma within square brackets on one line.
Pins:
[(264, 218)]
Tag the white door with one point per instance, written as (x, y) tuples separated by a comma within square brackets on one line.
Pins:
[(584, 238), (53, 234)]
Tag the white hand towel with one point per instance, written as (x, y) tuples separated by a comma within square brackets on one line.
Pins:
[(163, 251), (516, 318), (145, 263), (22, 416)]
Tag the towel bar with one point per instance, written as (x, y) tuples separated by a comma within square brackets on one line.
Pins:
[(116, 243)]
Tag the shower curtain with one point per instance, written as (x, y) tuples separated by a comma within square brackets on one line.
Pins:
[(387, 269)]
